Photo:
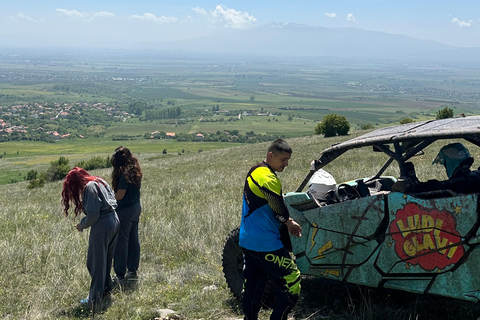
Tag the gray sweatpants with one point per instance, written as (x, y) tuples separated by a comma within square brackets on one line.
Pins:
[(101, 247)]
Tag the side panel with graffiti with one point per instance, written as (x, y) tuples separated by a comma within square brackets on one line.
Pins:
[(394, 240), (427, 240), (340, 239)]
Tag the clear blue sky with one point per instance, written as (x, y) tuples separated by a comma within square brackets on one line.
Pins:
[(126, 22)]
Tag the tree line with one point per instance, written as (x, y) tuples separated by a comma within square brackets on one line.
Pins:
[(59, 169), (334, 124)]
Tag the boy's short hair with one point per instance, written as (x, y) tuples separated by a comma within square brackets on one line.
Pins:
[(279, 146)]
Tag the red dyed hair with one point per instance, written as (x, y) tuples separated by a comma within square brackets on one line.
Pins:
[(73, 187)]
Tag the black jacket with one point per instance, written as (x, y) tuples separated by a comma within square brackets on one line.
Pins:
[(463, 182)]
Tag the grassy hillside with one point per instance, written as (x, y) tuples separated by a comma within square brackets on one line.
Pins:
[(23, 156), (190, 203)]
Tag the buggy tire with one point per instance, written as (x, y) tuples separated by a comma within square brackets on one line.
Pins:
[(233, 263)]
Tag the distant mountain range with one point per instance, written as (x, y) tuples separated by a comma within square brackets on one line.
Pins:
[(288, 39)]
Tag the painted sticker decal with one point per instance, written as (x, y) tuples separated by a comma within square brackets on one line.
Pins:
[(426, 237)]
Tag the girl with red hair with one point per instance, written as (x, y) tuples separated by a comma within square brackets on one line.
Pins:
[(93, 196)]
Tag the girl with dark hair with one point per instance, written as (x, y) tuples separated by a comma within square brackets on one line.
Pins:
[(93, 196), (126, 182)]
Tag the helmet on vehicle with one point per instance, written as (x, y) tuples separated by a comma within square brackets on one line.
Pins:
[(320, 183), (452, 157)]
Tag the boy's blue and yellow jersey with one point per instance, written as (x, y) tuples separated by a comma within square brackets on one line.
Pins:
[(263, 210)]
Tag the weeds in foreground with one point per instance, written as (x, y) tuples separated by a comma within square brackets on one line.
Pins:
[(333, 300), (190, 204)]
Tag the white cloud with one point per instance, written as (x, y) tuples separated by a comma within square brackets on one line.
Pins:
[(461, 23), (74, 14), (331, 14), (104, 14), (351, 18), (150, 17), (23, 17), (84, 16), (228, 18), (200, 11)]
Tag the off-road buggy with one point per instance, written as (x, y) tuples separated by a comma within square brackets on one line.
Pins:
[(364, 233)]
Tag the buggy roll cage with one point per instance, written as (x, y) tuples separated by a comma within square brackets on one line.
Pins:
[(407, 140)]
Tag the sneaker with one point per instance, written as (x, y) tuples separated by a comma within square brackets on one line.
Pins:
[(85, 301), (118, 281), (131, 275)]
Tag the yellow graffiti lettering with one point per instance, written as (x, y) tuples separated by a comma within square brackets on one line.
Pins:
[(413, 222), (324, 248), (452, 251), (409, 248), (439, 242), (426, 243), (416, 225), (412, 225), (402, 228), (438, 227), (413, 246), (427, 224), (335, 273), (315, 230)]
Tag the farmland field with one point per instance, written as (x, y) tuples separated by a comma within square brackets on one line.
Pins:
[(191, 194), (261, 96)]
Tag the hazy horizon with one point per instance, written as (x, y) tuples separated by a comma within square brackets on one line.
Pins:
[(123, 24)]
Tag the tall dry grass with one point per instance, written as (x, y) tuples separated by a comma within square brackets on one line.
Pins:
[(190, 203)]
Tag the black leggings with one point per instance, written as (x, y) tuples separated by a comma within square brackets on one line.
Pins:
[(277, 266)]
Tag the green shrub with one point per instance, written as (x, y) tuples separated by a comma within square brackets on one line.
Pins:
[(332, 125), (445, 113), (94, 163), (366, 126), (58, 170), (406, 120), (36, 183), (32, 175)]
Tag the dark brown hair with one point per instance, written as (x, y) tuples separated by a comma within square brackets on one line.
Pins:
[(279, 146), (124, 163)]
